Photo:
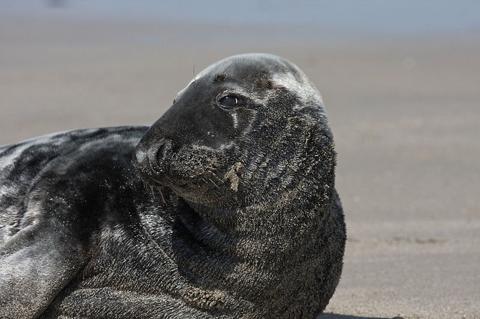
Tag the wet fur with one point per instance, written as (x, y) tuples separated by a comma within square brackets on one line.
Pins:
[(240, 220)]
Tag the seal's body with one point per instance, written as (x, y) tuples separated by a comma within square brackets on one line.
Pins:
[(224, 208)]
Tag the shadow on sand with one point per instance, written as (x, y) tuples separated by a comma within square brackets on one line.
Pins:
[(335, 316)]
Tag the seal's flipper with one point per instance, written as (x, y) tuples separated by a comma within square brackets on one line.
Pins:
[(35, 265)]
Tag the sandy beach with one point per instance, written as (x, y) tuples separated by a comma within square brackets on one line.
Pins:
[(405, 114)]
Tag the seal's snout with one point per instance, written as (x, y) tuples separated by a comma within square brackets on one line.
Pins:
[(152, 158)]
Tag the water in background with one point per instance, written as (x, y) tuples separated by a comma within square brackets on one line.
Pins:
[(351, 17)]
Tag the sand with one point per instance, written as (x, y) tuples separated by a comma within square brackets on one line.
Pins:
[(405, 113)]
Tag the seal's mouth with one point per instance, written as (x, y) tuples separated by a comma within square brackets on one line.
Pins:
[(164, 168), (198, 173)]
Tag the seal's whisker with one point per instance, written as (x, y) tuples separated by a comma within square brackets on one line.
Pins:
[(152, 191), (216, 176), (206, 180), (161, 195), (145, 186), (213, 183), (203, 179)]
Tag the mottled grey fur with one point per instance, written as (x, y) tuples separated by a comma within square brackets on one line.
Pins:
[(222, 210)]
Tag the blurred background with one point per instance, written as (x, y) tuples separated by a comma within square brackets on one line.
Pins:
[(400, 79)]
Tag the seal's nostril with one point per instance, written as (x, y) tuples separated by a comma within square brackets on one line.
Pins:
[(159, 152), (160, 155)]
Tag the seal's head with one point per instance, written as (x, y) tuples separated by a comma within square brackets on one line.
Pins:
[(241, 131)]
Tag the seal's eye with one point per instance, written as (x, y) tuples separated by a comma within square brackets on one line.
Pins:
[(231, 100)]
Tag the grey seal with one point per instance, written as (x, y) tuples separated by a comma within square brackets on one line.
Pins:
[(224, 208)]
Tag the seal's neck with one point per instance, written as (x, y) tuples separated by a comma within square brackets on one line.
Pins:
[(272, 231), (256, 250)]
